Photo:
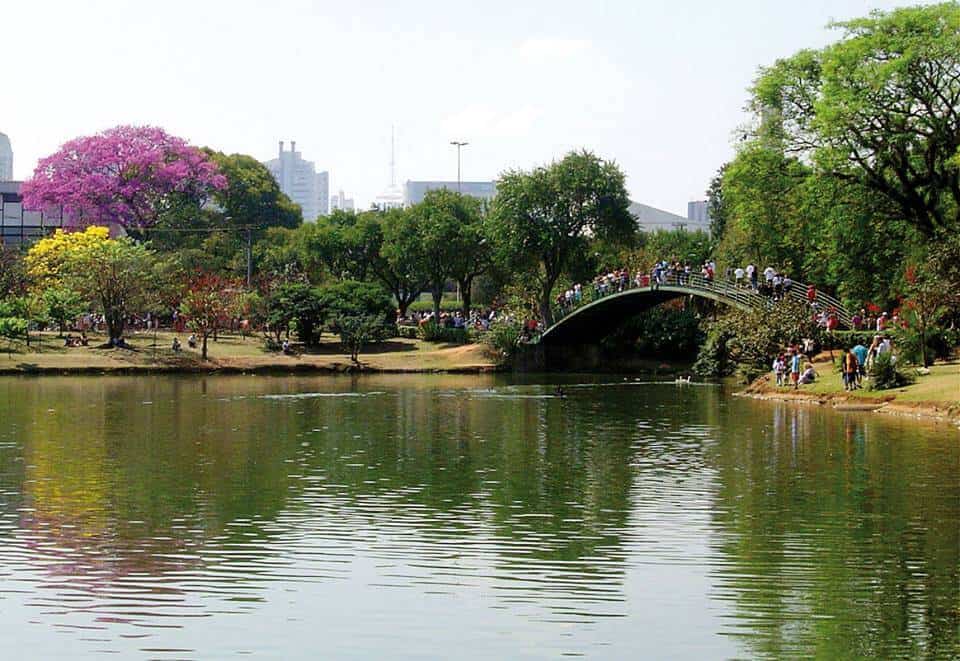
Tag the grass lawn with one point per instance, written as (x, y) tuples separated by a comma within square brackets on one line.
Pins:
[(941, 386), (235, 352)]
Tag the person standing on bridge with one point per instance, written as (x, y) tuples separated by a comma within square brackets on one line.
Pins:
[(752, 275)]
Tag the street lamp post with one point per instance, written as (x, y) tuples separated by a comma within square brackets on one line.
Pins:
[(458, 145)]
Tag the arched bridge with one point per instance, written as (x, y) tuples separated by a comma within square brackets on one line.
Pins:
[(580, 325)]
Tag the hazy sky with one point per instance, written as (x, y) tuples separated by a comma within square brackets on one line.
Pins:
[(657, 86)]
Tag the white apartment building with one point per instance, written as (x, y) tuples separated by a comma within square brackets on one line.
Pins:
[(6, 158), (299, 179)]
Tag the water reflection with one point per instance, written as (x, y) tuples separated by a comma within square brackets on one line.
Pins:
[(165, 516)]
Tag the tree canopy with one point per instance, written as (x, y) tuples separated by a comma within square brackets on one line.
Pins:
[(880, 107), (542, 219), (129, 175)]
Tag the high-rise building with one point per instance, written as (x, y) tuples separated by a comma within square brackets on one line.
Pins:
[(415, 190), (301, 182), (342, 202), (323, 193), (698, 212), (6, 158)]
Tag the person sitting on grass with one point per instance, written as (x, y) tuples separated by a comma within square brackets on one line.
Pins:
[(285, 347), (809, 375), (192, 341), (176, 345)]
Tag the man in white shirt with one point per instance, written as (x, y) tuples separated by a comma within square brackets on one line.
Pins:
[(738, 274)]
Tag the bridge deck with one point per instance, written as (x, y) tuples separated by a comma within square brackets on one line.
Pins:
[(617, 307)]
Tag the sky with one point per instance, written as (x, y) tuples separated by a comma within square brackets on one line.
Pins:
[(658, 87)]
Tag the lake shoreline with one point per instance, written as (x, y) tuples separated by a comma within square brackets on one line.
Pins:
[(882, 402)]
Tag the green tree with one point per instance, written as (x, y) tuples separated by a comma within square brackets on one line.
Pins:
[(355, 298), (297, 303), (880, 107), (542, 219), (252, 196), (360, 312), (451, 242), (117, 275), (63, 305), (717, 206), (400, 262)]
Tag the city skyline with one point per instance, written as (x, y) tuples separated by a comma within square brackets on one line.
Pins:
[(663, 91)]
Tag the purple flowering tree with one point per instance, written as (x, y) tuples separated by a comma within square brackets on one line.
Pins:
[(129, 175)]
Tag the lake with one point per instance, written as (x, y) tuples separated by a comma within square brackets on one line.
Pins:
[(430, 516)]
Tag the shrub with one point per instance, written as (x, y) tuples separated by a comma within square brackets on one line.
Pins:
[(884, 374), (357, 330), (446, 305), (432, 332), (503, 337), (713, 360), (908, 342), (409, 332)]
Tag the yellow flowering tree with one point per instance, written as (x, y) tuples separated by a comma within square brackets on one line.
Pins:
[(47, 258)]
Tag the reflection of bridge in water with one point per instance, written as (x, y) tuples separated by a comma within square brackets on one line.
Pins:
[(587, 324)]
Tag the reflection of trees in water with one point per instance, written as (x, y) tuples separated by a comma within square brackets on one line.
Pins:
[(117, 492), (841, 535), (474, 484)]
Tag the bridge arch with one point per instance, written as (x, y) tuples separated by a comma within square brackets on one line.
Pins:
[(581, 325)]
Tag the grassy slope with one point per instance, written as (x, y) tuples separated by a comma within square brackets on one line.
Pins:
[(941, 387), (235, 352)]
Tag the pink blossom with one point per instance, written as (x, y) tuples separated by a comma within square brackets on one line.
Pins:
[(122, 175)]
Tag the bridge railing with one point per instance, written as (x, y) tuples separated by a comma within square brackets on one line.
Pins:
[(744, 296)]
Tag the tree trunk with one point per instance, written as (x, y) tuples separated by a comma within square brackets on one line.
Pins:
[(465, 295), (114, 326), (203, 347), (546, 312), (437, 292)]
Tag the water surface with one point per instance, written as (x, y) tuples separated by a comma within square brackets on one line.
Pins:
[(467, 517)]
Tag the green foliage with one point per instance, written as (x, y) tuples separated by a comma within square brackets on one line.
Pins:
[(848, 338), (356, 330), (13, 328), (15, 314), (447, 305), (503, 337), (351, 298), (756, 336), (923, 348), (360, 312), (667, 331), (717, 205), (713, 359), (299, 304), (678, 245), (63, 305), (542, 220), (434, 332), (13, 273), (252, 195), (117, 275), (880, 107), (451, 242), (885, 375)]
